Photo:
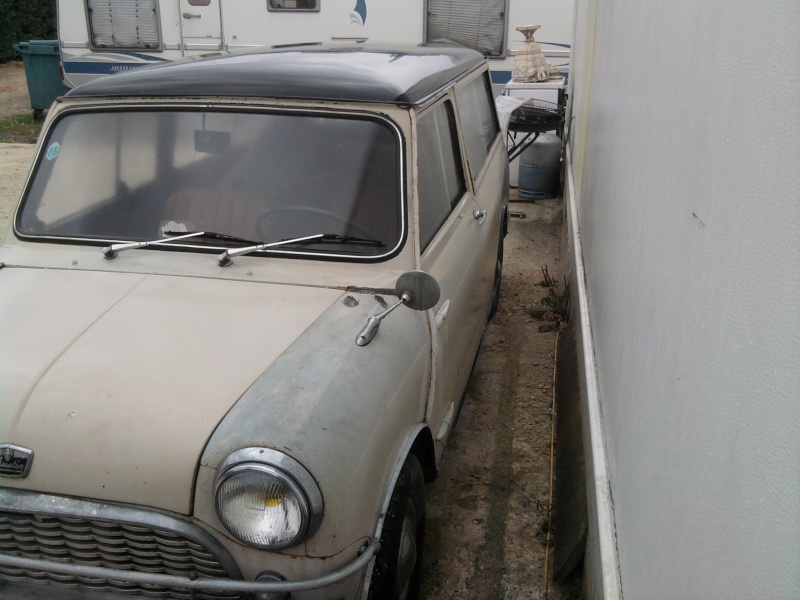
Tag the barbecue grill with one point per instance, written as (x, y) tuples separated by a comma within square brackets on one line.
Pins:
[(532, 118)]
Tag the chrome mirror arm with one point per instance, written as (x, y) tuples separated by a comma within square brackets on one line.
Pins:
[(369, 330)]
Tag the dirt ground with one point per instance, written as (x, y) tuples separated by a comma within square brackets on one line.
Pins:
[(488, 512), (13, 90)]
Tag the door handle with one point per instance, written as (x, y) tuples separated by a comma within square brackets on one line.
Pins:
[(191, 16), (480, 216), (441, 314)]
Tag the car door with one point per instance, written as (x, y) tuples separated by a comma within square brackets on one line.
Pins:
[(453, 235)]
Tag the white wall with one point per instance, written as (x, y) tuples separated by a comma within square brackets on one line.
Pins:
[(686, 158)]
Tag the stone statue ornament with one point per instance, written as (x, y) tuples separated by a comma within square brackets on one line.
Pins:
[(531, 64)]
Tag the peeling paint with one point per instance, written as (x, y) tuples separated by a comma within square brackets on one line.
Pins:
[(364, 290), (350, 302)]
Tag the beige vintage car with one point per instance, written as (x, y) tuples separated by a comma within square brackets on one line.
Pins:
[(240, 303)]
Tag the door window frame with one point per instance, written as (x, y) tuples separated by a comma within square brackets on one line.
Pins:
[(475, 175), (459, 161)]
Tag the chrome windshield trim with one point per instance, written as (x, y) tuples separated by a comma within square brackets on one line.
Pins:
[(27, 502), (207, 585), (270, 105)]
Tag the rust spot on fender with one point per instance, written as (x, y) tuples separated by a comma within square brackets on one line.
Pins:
[(350, 302), (365, 290)]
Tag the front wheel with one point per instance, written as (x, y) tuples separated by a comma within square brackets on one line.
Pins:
[(396, 574), (498, 277)]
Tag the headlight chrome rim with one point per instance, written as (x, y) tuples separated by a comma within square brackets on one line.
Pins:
[(288, 472)]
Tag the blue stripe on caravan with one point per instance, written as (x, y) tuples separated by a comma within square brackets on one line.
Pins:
[(146, 57), (100, 68), (503, 77), (567, 46)]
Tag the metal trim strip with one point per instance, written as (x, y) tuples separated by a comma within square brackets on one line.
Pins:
[(206, 585)]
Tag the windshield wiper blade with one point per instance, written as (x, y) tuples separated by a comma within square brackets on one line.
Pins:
[(349, 239), (339, 239), (224, 259), (213, 235)]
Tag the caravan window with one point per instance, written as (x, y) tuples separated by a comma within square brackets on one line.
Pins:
[(298, 5), (124, 24), (476, 24)]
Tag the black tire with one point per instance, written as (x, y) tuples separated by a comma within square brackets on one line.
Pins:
[(396, 574), (498, 276)]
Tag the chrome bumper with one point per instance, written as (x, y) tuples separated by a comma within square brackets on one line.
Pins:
[(53, 557), (205, 585)]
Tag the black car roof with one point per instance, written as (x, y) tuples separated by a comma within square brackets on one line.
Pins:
[(356, 73)]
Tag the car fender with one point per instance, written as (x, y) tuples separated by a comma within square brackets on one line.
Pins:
[(352, 411)]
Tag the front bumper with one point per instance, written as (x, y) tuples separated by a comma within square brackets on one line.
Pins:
[(204, 585), (128, 549)]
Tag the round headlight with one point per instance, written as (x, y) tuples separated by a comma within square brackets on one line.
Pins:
[(272, 504)]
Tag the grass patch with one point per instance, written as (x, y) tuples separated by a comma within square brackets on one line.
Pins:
[(19, 129)]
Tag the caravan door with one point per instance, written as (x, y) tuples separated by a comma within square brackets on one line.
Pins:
[(201, 26)]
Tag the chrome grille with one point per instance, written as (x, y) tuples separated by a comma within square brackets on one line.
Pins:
[(106, 544)]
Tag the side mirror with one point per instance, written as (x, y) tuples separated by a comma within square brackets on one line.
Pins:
[(416, 289)]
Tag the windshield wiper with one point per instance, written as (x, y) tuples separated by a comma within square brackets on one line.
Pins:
[(111, 251), (225, 258)]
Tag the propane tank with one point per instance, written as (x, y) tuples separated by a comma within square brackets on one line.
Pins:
[(540, 168)]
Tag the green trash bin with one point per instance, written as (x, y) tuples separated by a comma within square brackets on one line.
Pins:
[(41, 59)]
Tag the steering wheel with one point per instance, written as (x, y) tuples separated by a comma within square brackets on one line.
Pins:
[(266, 232)]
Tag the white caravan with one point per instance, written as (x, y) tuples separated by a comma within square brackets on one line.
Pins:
[(102, 37)]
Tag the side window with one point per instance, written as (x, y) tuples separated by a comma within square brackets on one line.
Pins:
[(476, 107), (129, 24), (441, 179), (293, 5)]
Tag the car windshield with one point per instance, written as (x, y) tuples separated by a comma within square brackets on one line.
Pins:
[(142, 175)]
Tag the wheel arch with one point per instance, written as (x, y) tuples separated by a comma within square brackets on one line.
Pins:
[(424, 449), (418, 441)]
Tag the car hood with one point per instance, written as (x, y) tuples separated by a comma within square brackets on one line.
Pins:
[(116, 381)]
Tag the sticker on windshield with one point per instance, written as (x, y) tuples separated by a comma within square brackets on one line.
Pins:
[(53, 151)]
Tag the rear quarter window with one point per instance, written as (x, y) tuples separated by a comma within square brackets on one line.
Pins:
[(441, 179), (478, 119)]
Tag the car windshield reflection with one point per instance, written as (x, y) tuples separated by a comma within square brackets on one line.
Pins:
[(139, 175)]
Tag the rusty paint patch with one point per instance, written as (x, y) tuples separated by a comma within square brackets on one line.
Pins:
[(350, 302), (364, 290), (381, 301)]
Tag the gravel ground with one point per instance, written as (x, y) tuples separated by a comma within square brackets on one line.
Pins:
[(14, 158), (14, 162), (13, 90), (488, 513)]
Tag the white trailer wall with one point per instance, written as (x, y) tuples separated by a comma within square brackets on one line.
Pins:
[(685, 161)]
